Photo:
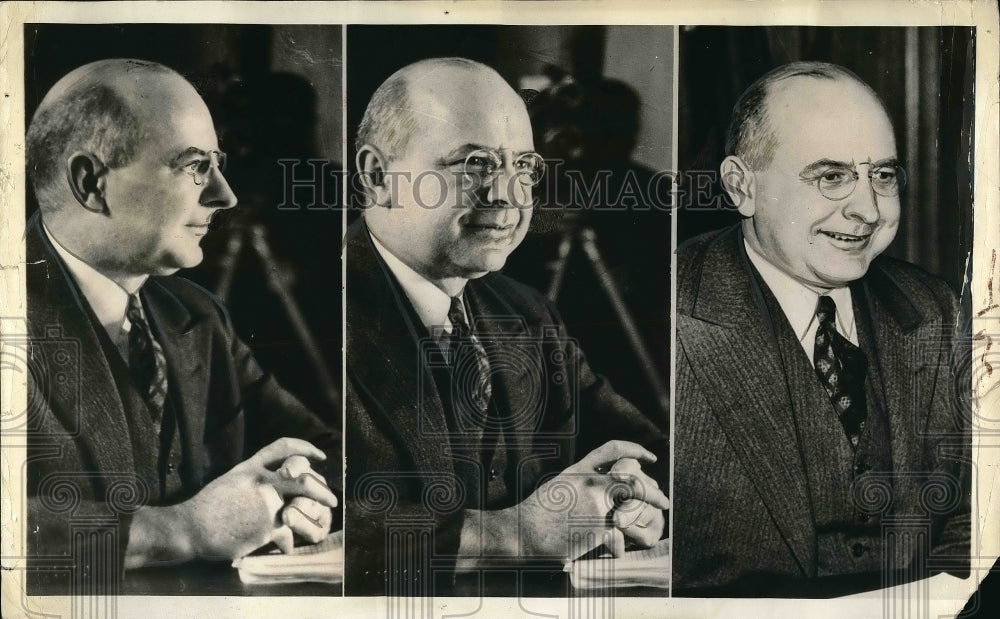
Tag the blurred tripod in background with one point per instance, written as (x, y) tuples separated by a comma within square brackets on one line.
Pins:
[(596, 225)]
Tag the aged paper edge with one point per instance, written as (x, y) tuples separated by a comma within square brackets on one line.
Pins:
[(939, 601)]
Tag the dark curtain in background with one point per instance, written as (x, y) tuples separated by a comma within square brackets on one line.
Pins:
[(925, 76), (264, 110)]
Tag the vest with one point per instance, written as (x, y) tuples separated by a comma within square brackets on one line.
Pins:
[(479, 458), (848, 533), (158, 457)]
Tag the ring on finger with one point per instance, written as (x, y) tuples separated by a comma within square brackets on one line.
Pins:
[(314, 521)]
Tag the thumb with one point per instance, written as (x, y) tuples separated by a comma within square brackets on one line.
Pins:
[(284, 539), (614, 539)]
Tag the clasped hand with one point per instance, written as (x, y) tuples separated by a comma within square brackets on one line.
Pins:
[(253, 504), (602, 499)]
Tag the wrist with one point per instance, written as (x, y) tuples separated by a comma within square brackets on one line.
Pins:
[(490, 534), (160, 535)]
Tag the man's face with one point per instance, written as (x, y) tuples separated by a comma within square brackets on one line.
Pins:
[(158, 211), (444, 226), (823, 127)]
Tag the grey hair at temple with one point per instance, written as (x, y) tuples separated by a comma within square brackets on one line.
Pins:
[(83, 112)]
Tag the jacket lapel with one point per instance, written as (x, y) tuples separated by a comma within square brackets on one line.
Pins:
[(186, 340), (503, 334), (904, 341), (733, 353), (385, 360), (87, 405)]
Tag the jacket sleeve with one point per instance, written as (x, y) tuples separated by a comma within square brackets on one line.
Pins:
[(950, 442), (605, 415), (269, 411), (398, 518), (77, 520)]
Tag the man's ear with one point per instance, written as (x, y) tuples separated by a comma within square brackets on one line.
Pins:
[(371, 165), (740, 183), (87, 177)]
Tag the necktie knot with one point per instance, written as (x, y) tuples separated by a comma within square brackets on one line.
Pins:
[(459, 320), (826, 311), (134, 311)]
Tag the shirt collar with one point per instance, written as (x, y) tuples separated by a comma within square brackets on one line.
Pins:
[(430, 302), (798, 301), (108, 300)]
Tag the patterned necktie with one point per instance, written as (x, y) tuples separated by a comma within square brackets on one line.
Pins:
[(469, 363), (841, 367), (146, 359)]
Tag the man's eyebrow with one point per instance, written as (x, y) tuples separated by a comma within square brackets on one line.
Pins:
[(822, 164), (887, 162), (462, 151), (190, 150)]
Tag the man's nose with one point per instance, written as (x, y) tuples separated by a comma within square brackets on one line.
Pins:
[(507, 189), (217, 192), (862, 204)]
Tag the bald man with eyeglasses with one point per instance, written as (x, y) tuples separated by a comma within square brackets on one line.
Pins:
[(163, 431), (816, 416), (477, 432)]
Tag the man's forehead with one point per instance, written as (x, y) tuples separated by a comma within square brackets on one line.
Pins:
[(835, 119), (460, 110), (176, 118)]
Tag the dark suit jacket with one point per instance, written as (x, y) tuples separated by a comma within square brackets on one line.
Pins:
[(743, 523), (82, 468), (401, 474)]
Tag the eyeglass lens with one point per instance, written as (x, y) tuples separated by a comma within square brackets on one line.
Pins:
[(216, 158), (837, 184), (528, 167)]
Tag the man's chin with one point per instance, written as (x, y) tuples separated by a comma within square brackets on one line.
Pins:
[(175, 263), (842, 275), (485, 267)]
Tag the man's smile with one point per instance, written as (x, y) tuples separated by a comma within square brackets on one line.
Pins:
[(844, 240), (495, 224), (491, 231)]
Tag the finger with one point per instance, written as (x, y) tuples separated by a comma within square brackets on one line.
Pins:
[(283, 539), (307, 518), (640, 522), (632, 513), (615, 541), (643, 487), (284, 448), (636, 514), (294, 466), (273, 502), (305, 485), (612, 451), (626, 466), (284, 473)]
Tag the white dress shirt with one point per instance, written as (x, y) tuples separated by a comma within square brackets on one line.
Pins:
[(798, 302), (108, 300), (430, 302)]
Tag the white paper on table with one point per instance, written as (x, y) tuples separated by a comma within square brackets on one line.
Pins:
[(320, 562), (649, 567)]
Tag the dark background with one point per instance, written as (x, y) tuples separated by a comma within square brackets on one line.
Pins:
[(602, 101), (925, 76), (274, 92)]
